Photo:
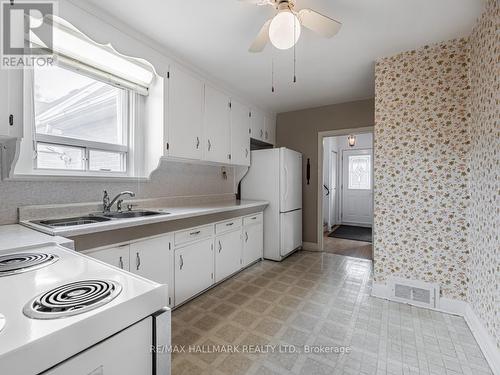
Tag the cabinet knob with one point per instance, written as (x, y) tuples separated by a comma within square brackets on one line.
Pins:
[(197, 143), (246, 236), (220, 247), (181, 262), (209, 145), (246, 153)]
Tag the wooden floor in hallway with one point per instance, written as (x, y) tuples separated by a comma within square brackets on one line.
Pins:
[(340, 246)]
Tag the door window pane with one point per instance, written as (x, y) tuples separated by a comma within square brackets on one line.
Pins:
[(60, 157), (360, 172), (106, 161), (72, 105)]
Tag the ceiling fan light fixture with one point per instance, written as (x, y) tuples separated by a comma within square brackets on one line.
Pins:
[(284, 30)]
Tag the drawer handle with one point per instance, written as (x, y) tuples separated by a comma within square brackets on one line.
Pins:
[(246, 236), (137, 261), (229, 224), (195, 233), (120, 262), (253, 218), (182, 262), (220, 247)]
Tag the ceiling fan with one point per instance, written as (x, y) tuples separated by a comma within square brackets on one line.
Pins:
[(283, 30)]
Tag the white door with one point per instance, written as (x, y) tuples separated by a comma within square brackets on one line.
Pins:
[(115, 256), (290, 180), (185, 115), (228, 248), (217, 126), (194, 269), (240, 137), (333, 189), (357, 183), (291, 231), (126, 353), (152, 259), (253, 243), (257, 125), (270, 132)]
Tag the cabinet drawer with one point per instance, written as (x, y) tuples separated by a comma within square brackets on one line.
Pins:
[(252, 219), (228, 225), (193, 234)]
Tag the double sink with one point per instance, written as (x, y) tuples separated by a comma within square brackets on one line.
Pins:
[(96, 218)]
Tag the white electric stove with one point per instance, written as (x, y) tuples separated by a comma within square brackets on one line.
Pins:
[(63, 313)]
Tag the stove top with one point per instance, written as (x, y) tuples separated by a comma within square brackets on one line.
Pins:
[(72, 299), (2, 322), (11, 264)]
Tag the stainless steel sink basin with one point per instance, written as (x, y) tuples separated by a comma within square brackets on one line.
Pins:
[(72, 221), (131, 214)]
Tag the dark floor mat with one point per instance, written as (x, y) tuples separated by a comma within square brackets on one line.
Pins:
[(350, 232)]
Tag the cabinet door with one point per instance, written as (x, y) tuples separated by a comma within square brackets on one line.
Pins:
[(253, 243), (257, 124), (217, 126), (270, 132), (194, 269), (228, 249), (151, 259), (240, 137), (115, 256), (11, 102), (185, 115)]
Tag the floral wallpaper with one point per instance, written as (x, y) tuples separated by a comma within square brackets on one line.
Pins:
[(421, 174), (484, 165)]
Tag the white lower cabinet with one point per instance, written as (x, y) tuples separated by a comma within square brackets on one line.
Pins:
[(152, 259), (194, 269), (116, 256), (227, 254), (253, 243)]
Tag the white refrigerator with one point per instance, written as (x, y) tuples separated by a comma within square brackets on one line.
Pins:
[(275, 175)]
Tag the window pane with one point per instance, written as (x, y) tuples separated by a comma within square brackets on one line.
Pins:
[(69, 104), (59, 157), (106, 161), (360, 172)]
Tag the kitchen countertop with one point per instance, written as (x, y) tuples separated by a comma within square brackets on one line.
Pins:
[(15, 236), (175, 213)]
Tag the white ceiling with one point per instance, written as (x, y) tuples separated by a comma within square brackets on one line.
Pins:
[(214, 35)]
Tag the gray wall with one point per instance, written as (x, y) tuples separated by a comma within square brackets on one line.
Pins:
[(170, 179), (298, 130)]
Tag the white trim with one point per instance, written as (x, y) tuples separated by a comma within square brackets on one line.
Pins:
[(484, 339), (321, 135), (310, 246), (464, 309)]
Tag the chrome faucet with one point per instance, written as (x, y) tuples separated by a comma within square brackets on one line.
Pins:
[(106, 204)]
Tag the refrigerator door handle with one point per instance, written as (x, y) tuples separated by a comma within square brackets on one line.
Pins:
[(285, 195)]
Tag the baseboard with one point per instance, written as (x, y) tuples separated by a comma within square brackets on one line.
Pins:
[(483, 338), (310, 246), (464, 309)]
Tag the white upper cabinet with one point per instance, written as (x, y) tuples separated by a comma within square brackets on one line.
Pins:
[(240, 135), (257, 125), (185, 120), (270, 130), (217, 126), (11, 102)]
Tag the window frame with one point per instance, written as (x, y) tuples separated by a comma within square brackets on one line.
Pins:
[(129, 106)]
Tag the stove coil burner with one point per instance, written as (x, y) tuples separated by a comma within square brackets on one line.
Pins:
[(72, 299), (11, 264)]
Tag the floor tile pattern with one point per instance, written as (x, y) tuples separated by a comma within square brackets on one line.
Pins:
[(317, 300)]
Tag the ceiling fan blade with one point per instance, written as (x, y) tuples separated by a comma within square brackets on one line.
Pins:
[(257, 2), (320, 24), (260, 42)]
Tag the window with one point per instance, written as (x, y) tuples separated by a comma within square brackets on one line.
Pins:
[(360, 172), (81, 123)]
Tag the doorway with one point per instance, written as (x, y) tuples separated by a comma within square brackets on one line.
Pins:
[(347, 199)]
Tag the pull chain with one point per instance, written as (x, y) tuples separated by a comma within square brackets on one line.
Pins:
[(294, 47), (272, 75)]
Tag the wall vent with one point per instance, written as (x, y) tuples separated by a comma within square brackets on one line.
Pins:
[(414, 292)]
